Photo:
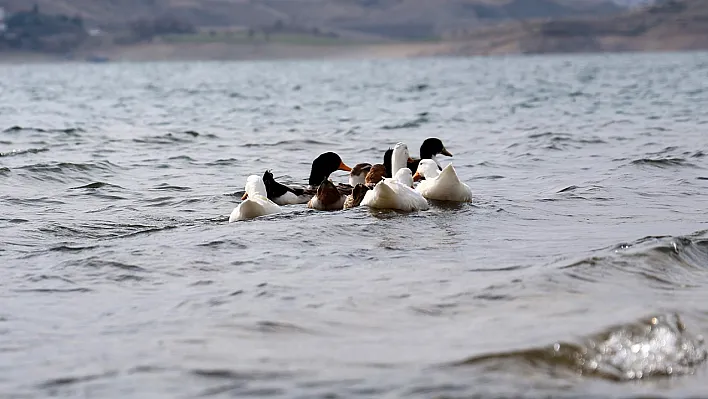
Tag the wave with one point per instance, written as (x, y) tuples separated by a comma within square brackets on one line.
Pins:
[(419, 121), (240, 375), (287, 142), (55, 383), (169, 138), (663, 262), (655, 346), (169, 187), (71, 130), (23, 152), (96, 185), (68, 166), (562, 141), (99, 230), (55, 290), (662, 162), (658, 345), (65, 171)]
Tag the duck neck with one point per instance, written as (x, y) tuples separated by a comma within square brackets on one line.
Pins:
[(435, 159), (398, 161), (316, 178)]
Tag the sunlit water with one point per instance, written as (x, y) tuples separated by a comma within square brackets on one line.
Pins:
[(580, 269)]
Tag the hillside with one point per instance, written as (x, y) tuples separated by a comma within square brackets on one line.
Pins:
[(276, 29), (669, 25), (401, 19)]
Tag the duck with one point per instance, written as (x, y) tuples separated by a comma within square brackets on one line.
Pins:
[(430, 149), (323, 166), (441, 186), (400, 157), (328, 198), (404, 176), (358, 174), (390, 193), (282, 194), (375, 175), (396, 193), (257, 203), (354, 199)]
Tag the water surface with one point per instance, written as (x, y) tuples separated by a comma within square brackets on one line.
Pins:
[(580, 269)]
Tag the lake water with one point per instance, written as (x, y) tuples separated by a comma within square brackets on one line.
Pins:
[(580, 269)]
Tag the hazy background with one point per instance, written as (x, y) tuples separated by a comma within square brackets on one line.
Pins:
[(103, 30)]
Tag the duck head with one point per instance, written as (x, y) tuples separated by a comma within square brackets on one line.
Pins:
[(400, 157), (375, 175), (431, 147), (255, 186), (358, 173), (324, 165), (427, 169), (404, 176), (269, 184)]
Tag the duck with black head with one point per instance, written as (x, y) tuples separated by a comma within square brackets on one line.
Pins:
[(322, 167), (430, 149)]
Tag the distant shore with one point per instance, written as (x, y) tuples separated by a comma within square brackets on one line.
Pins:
[(230, 52), (176, 52)]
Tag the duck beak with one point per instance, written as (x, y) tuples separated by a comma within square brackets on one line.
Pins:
[(344, 167), (410, 160), (244, 196), (417, 176), (445, 152)]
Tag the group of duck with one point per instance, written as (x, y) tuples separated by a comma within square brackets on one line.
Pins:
[(391, 185)]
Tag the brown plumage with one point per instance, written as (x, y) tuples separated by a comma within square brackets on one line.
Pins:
[(358, 173), (328, 197), (375, 175), (356, 196)]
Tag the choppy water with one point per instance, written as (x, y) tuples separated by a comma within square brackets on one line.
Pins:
[(580, 270)]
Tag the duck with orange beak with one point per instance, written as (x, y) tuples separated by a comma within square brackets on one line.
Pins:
[(323, 166), (430, 149)]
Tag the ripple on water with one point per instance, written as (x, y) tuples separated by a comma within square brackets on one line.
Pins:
[(663, 162), (71, 131), (656, 346), (23, 152), (666, 263)]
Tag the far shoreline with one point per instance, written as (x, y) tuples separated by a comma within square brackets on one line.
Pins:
[(161, 52)]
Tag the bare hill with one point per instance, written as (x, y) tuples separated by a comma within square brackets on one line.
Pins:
[(403, 19), (670, 25)]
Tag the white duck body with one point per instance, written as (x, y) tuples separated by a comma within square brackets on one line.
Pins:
[(441, 186), (257, 203), (392, 194)]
